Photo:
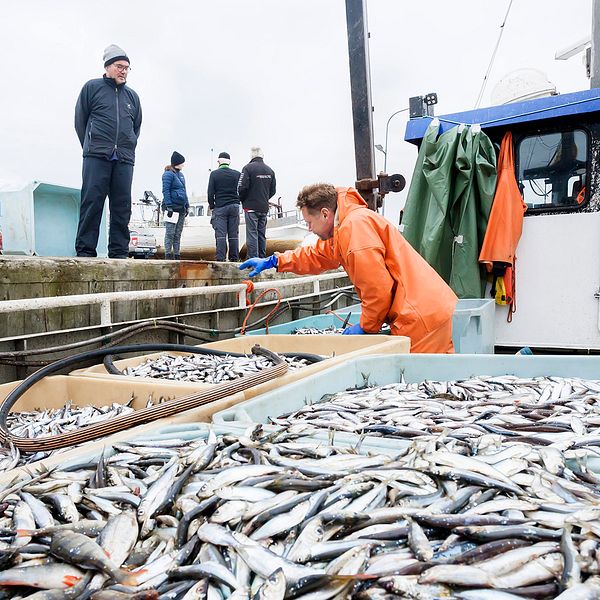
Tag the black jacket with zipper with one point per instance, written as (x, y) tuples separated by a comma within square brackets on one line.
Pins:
[(256, 185), (108, 117), (222, 187)]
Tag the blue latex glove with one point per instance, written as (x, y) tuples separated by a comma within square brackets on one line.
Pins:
[(353, 330), (258, 265)]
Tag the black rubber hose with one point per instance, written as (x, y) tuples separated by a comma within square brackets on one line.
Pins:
[(71, 361)]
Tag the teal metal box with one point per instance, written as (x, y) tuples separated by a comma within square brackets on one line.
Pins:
[(382, 369)]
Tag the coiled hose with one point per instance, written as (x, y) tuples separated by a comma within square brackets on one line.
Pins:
[(138, 417)]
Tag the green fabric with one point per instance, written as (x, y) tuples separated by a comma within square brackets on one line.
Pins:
[(449, 202)]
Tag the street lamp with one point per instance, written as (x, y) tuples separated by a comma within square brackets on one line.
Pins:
[(387, 126)]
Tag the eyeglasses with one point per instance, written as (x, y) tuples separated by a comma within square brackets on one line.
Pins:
[(122, 68)]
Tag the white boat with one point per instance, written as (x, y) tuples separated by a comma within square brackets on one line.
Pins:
[(285, 231)]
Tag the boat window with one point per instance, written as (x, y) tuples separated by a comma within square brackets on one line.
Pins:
[(552, 170)]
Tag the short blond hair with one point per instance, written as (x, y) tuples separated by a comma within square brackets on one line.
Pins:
[(316, 196)]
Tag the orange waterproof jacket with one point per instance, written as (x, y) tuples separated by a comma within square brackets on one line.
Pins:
[(506, 217), (394, 282)]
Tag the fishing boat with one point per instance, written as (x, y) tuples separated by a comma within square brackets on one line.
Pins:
[(285, 230)]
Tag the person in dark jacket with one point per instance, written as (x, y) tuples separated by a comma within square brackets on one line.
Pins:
[(224, 202), (175, 201), (108, 117), (255, 187)]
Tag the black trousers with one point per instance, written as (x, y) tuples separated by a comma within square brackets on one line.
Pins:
[(103, 178)]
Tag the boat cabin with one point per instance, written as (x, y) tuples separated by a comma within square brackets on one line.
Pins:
[(556, 141)]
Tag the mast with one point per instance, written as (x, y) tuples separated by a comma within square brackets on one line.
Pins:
[(360, 87), (595, 51)]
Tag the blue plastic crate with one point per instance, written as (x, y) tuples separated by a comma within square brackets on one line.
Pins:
[(318, 321), (473, 326), (414, 368)]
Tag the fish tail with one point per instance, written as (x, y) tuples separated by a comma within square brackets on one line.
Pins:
[(71, 580), (125, 577)]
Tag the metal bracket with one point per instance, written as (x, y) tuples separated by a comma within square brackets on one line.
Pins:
[(384, 184)]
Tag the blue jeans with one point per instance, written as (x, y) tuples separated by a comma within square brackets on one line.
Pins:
[(226, 223), (173, 237), (256, 237)]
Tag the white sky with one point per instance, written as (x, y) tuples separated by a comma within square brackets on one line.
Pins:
[(233, 74)]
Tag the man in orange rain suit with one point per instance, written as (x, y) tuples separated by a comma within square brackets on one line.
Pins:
[(394, 282)]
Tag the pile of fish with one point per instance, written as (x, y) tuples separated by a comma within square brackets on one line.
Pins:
[(331, 330), (275, 515), (538, 410), (206, 368), (316, 331), (36, 423)]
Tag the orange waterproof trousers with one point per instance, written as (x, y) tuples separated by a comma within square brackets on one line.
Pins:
[(438, 341)]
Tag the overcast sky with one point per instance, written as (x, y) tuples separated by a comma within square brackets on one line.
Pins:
[(230, 75)]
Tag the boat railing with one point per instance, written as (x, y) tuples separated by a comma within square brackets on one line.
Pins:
[(105, 300)]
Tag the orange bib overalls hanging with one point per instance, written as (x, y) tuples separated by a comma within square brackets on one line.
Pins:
[(504, 229)]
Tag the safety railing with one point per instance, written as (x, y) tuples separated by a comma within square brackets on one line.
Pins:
[(105, 300)]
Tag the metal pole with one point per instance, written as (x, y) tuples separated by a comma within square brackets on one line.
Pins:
[(360, 87), (595, 58), (387, 125)]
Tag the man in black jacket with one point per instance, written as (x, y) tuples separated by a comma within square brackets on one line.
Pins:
[(108, 117), (224, 202), (255, 188)]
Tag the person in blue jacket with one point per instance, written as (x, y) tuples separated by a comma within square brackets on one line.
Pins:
[(108, 117), (175, 200)]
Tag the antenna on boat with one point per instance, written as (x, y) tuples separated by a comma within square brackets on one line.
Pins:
[(589, 46)]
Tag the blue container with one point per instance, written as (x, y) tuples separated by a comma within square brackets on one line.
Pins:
[(318, 321), (473, 330), (31, 216), (472, 325), (412, 368)]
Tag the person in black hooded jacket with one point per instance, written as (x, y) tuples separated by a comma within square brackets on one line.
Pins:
[(108, 117), (225, 205), (255, 187)]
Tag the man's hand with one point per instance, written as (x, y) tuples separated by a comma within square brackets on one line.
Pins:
[(353, 330), (258, 265), (169, 213)]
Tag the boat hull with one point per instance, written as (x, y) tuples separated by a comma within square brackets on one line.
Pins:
[(198, 238)]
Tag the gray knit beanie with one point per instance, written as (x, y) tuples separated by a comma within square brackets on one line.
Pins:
[(112, 54)]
